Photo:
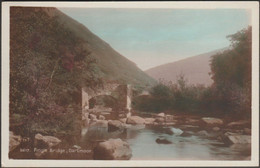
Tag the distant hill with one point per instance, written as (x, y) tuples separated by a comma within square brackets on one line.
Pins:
[(196, 69)]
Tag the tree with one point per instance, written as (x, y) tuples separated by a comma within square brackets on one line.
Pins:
[(48, 66), (231, 72)]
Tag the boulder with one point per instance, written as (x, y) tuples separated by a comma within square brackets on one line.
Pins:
[(192, 121), (169, 117), (99, 123), (203, 133), (160, 115), (46, 141), (14, 141), (159, 120), (163, 141), (216, 129), (135, 120), (155, 123), (114, 125), (236, 139), (171, 131), (92, 117), (186, 134), (238, 124), (123, 120), (176, 131), (212, 121), (247, 131), (112, 149), (149, 121), (190, 127), (101, 117)]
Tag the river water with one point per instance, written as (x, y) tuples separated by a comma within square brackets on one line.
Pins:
[(144, 147), (142, 141)]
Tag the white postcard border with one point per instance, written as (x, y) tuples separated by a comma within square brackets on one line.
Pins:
[(253, 6)]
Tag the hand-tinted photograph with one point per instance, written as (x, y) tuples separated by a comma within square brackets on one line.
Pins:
[(130, 83)]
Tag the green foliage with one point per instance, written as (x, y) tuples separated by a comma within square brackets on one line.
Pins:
[(231, 72), (48, 67), (234, 65), (171, 96), (230, 95)]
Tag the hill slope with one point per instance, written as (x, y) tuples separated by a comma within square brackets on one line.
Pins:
[(51, 58), (196, 69), (112, 65)]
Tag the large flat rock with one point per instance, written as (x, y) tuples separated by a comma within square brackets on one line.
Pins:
[(112, 149)]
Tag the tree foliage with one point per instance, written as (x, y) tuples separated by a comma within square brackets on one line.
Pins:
[(48, 67), (231, 72), (230, 94)]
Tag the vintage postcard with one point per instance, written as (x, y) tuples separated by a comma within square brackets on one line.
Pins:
[(130, 84)]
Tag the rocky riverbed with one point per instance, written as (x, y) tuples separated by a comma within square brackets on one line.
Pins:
[(129, 138)]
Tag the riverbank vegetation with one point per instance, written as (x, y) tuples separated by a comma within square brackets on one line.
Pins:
[(229, 95)]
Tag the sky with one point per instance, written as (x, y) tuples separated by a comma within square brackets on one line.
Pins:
[(152, 37)]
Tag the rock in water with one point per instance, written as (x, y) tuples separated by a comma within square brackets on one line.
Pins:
[(99, 123), (212, 121), (160, 115), (135, 120), (176, 131), (123, 120), (115, 125), (149, 121), (216, 129), (46, 141), (92, 116), (14, 141), (101, 117), (163, 141), (238, 124), (203, 133), (159, 120), (236, 139), (112, 149)]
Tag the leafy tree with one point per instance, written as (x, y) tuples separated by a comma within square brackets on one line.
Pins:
[(231, 72), (48, 67)]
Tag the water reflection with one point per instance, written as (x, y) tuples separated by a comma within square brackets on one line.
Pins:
[(144, 147)]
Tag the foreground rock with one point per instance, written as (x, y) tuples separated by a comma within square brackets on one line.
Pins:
[(115, 125), (14, 141), (101, 117), (149, 121), (46, 141), (135, 120), (112, 149), (238, 124), (232, 138), (216, 129), (203, 133), (123, 120), (99, 123), (212, 121), (163, 141), (159, 120)]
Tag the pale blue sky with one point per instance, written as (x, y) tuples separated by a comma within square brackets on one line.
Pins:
[(151, 37)]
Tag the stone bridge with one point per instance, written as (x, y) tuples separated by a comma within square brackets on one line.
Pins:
[(122, 94)]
